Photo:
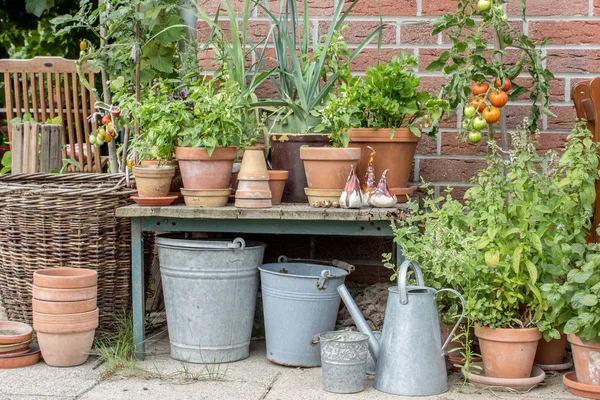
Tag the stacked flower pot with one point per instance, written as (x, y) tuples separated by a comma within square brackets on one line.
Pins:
[(65, 314), (253, 189)]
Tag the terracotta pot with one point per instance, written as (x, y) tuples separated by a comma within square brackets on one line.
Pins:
[(65, 323), (397, 154), (201, 171), (285, 155), (14, 332), (580, 389), (66, 349), (152, 181), (63, 307), (277, 181), (552, 352), (508, 353), (253, 190), (317, 196), (48, 294), (65, 278), (328, 167), (176, 183), (586, 357), (253, 167), (206, 197)]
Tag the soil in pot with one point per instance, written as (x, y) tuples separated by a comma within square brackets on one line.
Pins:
[(552, 352), (285, 155), (328, 167), (586, 357), (396, 154), (65, 278), (277, 180), (153, 181), (201, 171), (508, 353)]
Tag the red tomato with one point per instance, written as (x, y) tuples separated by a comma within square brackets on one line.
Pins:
[(479, 88), (499, 98), (507, 84), (105, 119), (491, 114)]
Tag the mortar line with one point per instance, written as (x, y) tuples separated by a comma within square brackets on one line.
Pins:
[(266, 393), (79, 396)]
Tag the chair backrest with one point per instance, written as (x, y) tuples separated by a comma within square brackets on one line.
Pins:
[(47, 87), (586, 96)]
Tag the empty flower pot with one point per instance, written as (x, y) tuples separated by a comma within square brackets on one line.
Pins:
[(65, 339), (64, 307), (254, 166), (65, 278), (153, 181), (49, 294), (277, 180)]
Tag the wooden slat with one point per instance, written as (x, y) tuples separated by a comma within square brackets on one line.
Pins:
[(50, 87), (25, 93), (8, 94), (59, 108), (77, 119), (43, 105), (41, 64), (97, 156), (45, 148), (17, 89), (34, 98), (69, 128), (85, 110), (30, 148), (17, 149), (56, 134)]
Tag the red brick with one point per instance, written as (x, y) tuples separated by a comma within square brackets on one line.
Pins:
[(315, 8), (596, 7), (457, 192), (487, 34), (437, 7), (427, 145), (427, 56), (386, 7), (256, 32), (207, 59), (557, 88), (551, 141), (358, 31), (369, 57), (449, 170), (210, 6), (515, 115), (267, 90), (549, 7), (565, 117), (565, 32), (432, 84), (453, 146), (416, 33), (574, 61)]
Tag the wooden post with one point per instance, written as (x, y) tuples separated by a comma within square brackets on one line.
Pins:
[(50, 148), (17, 149)]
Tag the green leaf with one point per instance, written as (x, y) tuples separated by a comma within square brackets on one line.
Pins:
[(438, 64), (533, 272), (572, 326), (588, 300), (37, 7), (578, 276), (516, 258), (536, 242), (492, 257)]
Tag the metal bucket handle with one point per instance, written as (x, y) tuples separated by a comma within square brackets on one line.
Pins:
[(402, 275), (336, 263), (464, 310), (237, 244)]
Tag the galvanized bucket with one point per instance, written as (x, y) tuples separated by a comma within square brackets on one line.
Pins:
[(210, 288), (300, 300), (344, 361)]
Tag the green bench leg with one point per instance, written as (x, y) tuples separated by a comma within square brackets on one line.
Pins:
[(137, 289)]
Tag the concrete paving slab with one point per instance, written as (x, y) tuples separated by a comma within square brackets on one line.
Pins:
[(149, 390), (21, 397)]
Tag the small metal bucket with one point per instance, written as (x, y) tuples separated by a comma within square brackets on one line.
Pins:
[(344, 361)]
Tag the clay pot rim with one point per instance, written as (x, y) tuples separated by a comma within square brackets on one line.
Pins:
[(574, 339), (404, 190), (25, 332), (201, 154), (65, 278), (537, 376), (35, 304), (570, 381), (153, 171), (323, 192), (205, 192), (366, 135), (65, 323), (278, 175), (253, 177), (508, 335), (330, 153)]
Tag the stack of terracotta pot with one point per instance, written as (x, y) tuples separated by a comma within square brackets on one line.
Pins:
[(65, 314), (253, 182)]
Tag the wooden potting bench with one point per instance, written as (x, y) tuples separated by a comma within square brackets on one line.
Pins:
[(285, 219)]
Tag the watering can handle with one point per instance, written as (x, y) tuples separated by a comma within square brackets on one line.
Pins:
[(402, 279), (462, 301)]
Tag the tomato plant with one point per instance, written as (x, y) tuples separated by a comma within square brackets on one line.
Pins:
[(469, 111), (479, 123), (491, 115), (499, 98), (479, 88), (507, 84), (478, 103), (475, 137)]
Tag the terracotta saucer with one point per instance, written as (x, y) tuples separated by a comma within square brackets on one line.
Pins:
[(9, 354), (154, 201), (479, 379), (9, 348), (566, 364), (580, 389), (14, 332), (22, 360)]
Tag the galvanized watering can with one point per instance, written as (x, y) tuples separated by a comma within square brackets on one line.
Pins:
[(410, 358)]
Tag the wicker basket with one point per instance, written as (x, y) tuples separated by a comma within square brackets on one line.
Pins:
[(51, 221)]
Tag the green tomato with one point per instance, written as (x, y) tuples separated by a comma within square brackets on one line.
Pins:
[(475, 137), (504, 17), (469, 111), (479, 123), (466, 124), (484, 5), (92, 139)]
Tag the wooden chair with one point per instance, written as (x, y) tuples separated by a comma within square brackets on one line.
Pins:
[(47, 87), (586, 96)]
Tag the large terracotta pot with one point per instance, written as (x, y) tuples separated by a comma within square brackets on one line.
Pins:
[(586, 357), (63, 307), (65, 339), (153, 181), (285, 155), (201, 171), (176, 182), (508, 353), (277, 180), (552, 352), (50, 294), (65, 278), (396, 154), (328, 167)]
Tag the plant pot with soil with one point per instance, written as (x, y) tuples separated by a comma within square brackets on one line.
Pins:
[(383, 111)]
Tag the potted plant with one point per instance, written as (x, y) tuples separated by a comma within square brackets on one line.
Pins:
[(384, 111)]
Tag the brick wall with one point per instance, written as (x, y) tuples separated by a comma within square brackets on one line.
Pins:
[(573, 54)]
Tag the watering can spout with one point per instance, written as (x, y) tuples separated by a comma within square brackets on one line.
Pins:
[(359, 320)]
